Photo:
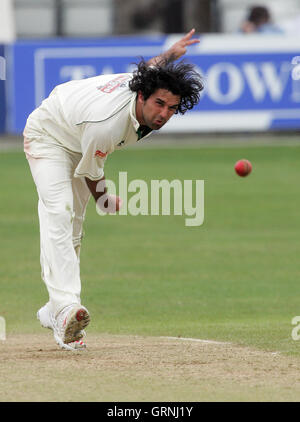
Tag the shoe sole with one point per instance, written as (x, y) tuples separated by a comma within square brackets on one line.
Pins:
[(77, 346), (78, 319)]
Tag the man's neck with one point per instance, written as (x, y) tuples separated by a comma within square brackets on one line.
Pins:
[(138, 113)]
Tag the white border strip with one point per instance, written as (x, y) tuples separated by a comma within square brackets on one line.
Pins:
[(247, 44), (239, 43), (224, 121)]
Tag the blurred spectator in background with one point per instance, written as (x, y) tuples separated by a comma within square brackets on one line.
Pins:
[(259, 21), (291, 26), (168, 12), (157, 17)]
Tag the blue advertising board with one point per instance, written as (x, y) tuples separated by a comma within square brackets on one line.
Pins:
[(249, 83), (2, 90)]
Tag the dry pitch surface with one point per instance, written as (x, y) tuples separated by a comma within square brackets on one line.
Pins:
[(134, 368)]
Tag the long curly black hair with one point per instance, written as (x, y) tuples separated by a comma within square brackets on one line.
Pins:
[(179, 78)]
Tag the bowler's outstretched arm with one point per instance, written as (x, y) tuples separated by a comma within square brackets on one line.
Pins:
[(176, 50), (92, 185), (107, 203)]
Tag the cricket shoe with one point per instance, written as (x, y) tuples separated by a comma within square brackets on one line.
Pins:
[(73, 346), (43, 315), (48, 321), (69, 324)]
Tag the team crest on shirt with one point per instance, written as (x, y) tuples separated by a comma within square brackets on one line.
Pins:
[(101, 154), (110, 86)]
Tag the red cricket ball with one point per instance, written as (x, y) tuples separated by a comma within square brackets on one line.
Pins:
[(243, 167)]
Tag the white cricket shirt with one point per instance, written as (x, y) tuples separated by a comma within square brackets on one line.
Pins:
[(92, 117)]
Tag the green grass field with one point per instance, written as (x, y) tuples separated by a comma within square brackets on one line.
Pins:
[(235, 278)]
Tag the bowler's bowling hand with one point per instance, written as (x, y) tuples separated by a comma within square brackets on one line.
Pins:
[(109, 204), (180, 47)]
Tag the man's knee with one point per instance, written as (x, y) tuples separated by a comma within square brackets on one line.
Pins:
[(61, 221)]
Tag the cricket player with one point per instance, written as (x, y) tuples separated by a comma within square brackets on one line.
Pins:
[(67, 140)]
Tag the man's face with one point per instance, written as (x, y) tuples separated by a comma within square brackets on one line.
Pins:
[(157, 109)]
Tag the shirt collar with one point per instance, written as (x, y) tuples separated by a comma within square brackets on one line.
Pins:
[(135, 123)]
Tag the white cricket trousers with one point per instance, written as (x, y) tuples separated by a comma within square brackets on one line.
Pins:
[(61, 208)]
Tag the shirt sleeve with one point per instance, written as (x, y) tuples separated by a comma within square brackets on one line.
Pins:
[(96, 144)]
